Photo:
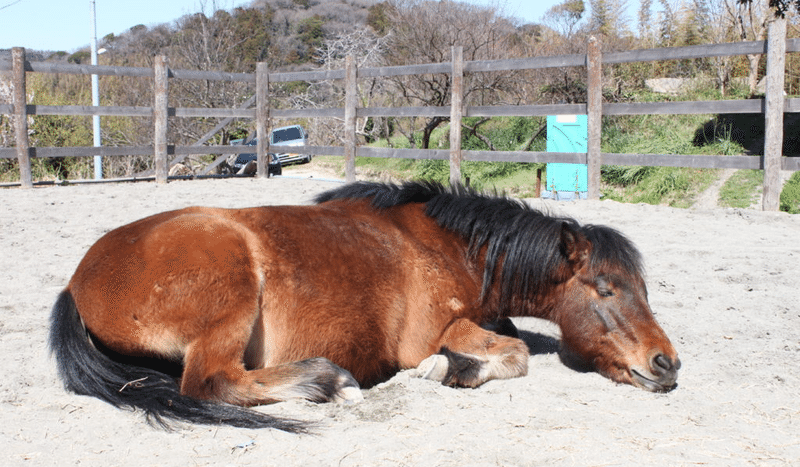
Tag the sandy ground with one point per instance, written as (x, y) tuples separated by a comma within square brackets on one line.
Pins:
[(723, 284)]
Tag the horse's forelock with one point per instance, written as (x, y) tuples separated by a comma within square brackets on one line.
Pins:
[(612, 249)]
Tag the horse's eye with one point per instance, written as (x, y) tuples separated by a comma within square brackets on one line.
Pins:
[(605, 292), (603, 287)]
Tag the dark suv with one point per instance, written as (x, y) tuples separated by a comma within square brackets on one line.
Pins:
[(274, 166)]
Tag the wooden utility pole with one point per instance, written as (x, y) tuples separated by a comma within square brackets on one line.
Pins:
[(160, 117)]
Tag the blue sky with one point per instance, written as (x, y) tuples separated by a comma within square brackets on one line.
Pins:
[(528, 11), (66, 24)]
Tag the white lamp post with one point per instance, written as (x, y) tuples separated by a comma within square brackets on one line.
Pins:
[(98, 160)]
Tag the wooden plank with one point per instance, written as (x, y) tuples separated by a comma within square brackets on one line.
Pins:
[(437, 154), (307, 113), (524, 110), (790, 163), (685, 107), (791, 105), (160, 117), (773, 114), (680, 160), (405, 70), (656, 54), (434, 111), (350, 103), (323, 75), (654, 160), (213, 76), (594, 71), (324, 150), (102, 70), (456, 112), (212, 113), (81, 151), (686, 52), (532, 63), (526, 156), (241, 149), (262, 119), (87, 110), (19, 100)]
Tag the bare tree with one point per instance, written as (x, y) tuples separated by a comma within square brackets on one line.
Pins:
[(367, 49), (752, 18), (426, 31), (565, 17)]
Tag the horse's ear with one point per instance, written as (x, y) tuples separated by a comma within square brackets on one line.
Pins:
[(575, 247)]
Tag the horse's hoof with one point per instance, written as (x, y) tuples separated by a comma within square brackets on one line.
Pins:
[(433, 368), (348, 395)]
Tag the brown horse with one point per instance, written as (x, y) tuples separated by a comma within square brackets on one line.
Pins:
[(197, 313)]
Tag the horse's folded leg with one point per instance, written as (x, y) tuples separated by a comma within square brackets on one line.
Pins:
[(470, 356), (315, 379)]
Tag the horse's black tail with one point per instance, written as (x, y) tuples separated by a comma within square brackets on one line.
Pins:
[(87, 371)]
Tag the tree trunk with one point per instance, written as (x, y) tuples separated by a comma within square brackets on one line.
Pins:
[(426, 132), (752, 76)]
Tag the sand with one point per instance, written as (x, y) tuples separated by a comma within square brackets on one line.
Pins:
[(723, 284)]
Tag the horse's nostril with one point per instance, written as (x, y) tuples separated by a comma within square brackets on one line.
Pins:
[(661, 362)]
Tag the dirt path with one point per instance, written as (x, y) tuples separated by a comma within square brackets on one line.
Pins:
[(709, 199)]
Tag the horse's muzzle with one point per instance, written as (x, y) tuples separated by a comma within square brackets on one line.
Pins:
[(661, 376)]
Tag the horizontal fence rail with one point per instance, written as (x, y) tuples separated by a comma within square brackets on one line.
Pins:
[(772, 107)]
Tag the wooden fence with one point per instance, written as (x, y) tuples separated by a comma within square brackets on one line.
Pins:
[(772, 106)]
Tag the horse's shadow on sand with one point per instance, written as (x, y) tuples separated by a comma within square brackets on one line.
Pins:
[(542, 344), (539, 344)]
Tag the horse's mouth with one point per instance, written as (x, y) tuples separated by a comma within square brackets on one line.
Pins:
[(642, 381)]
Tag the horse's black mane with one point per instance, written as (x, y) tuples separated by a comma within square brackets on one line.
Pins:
[(509, 229)]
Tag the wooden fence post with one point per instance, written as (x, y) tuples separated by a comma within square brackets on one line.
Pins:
[(350, 102), (773, 114), (456, 113), (21, 117), (160, 117), (262, 119), (594, 100)]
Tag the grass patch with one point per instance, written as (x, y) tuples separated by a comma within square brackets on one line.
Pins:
[(790, 196), (742, 189), (671, 186)]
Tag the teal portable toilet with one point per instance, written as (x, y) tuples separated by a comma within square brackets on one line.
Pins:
[(567, 133)]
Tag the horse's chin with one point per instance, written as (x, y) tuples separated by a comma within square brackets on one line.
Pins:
[(642, 380)]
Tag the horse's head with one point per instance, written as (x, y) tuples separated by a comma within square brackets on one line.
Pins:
[(605, 319)]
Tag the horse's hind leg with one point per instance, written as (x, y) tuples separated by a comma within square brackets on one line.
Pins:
[(315, 379), (469, 356), (214, 369)]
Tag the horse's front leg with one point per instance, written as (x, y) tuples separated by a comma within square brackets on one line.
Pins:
[(470, 355)]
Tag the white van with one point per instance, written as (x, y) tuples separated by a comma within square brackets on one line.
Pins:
[(286, 137)]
